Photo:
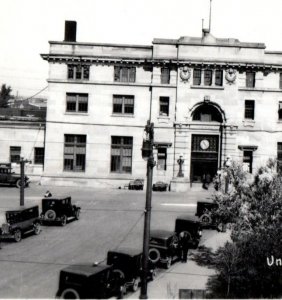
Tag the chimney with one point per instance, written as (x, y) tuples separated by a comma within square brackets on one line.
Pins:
[(70, 31)]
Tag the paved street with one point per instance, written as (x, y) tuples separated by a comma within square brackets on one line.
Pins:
[(109, 218)]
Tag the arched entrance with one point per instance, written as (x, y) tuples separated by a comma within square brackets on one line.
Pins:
[(206, 145)]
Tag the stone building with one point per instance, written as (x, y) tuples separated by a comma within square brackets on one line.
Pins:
[(209, 98)]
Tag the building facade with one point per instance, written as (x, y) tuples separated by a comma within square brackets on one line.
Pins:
[(209, 99)]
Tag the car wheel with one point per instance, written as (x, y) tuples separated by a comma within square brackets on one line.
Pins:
[(50, 215), (63, 220), (70, 294), (205, 219), (136, 284), (154, 255), (168, 263), (77, 214), (18, 183), (37, 228), (18, 235)]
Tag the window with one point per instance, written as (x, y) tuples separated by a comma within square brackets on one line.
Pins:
[(121, 154), (77, 102), (123, 104), (248, 160), (208, 77), (218, 77), (162, 155), (124, 74), (279, 157), (38, 156), (164, 106), (78, 72), (280, 111), (249, 109), (280, 80), (74, 152), (197, 74), (165, 75), (15, 154), (250, 79)]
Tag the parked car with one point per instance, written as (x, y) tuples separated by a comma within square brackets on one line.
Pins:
[(89, 282), (128, 262), (205, 214), (160, 186), (19, 222), (137, 184), (7, 176), (192, 226), (59, 210), (163, 247)]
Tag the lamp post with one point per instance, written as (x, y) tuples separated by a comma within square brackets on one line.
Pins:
[(147, 154), (22, 186)]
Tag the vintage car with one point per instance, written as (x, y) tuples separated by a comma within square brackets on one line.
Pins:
[(128, 262), (137, 184), (19, 222), (58, 210), (8, 177), (192, 226), (205, 214), (160, 186), (163, 247), (89, 282)]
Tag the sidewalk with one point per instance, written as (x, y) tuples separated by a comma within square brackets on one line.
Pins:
[(184, 275)]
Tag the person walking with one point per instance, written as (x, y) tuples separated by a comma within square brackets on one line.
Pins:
[(184, 246)]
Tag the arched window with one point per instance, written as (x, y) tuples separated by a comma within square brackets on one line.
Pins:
[(207, 113)]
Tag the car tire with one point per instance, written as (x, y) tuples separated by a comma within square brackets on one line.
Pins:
[(50, 215), (63, 220), (205, 219), (154, 255), (77, 214), (136, 283), (37, 228), (168, 263), (18, 235), (70, 294)]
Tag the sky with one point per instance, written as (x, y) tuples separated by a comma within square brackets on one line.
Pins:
[(26, 26)]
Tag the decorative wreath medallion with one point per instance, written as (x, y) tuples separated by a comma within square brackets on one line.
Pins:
[(230, 75), (185, 74)]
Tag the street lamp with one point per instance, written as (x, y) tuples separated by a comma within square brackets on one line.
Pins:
[(22, 164), (147, 154)]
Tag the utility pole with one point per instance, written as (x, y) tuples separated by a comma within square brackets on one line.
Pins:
[(147, 153), (22, 186)]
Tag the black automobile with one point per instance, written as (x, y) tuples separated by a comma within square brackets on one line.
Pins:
[(137, 184), (205, 211), (8, 177), (192, 226), (160, 186), (59, 210), (89, 282), (128, 262), (163, 247), (20, 221)]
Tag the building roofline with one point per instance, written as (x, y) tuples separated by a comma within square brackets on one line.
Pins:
[(102, 44)]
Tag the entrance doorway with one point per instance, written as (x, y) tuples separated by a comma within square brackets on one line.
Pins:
[(204, 157)]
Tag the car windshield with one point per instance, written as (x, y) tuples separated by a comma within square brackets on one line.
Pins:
[(2, 218)]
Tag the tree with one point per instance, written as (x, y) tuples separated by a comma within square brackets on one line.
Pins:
[(253, 210), (5, 95)]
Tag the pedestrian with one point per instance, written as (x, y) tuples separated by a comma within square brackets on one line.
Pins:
[(208, 181), (184, 246), (204, 181)]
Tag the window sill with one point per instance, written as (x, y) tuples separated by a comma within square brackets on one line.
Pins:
[(205, 87), (249, 123), (256, 89), (163, 119), (77, 113), (123, 115)]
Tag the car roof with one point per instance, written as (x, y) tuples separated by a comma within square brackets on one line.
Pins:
[(21, 208), (127, 251), (190, 218), (56, 198), (159, 233), (86, 270)]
